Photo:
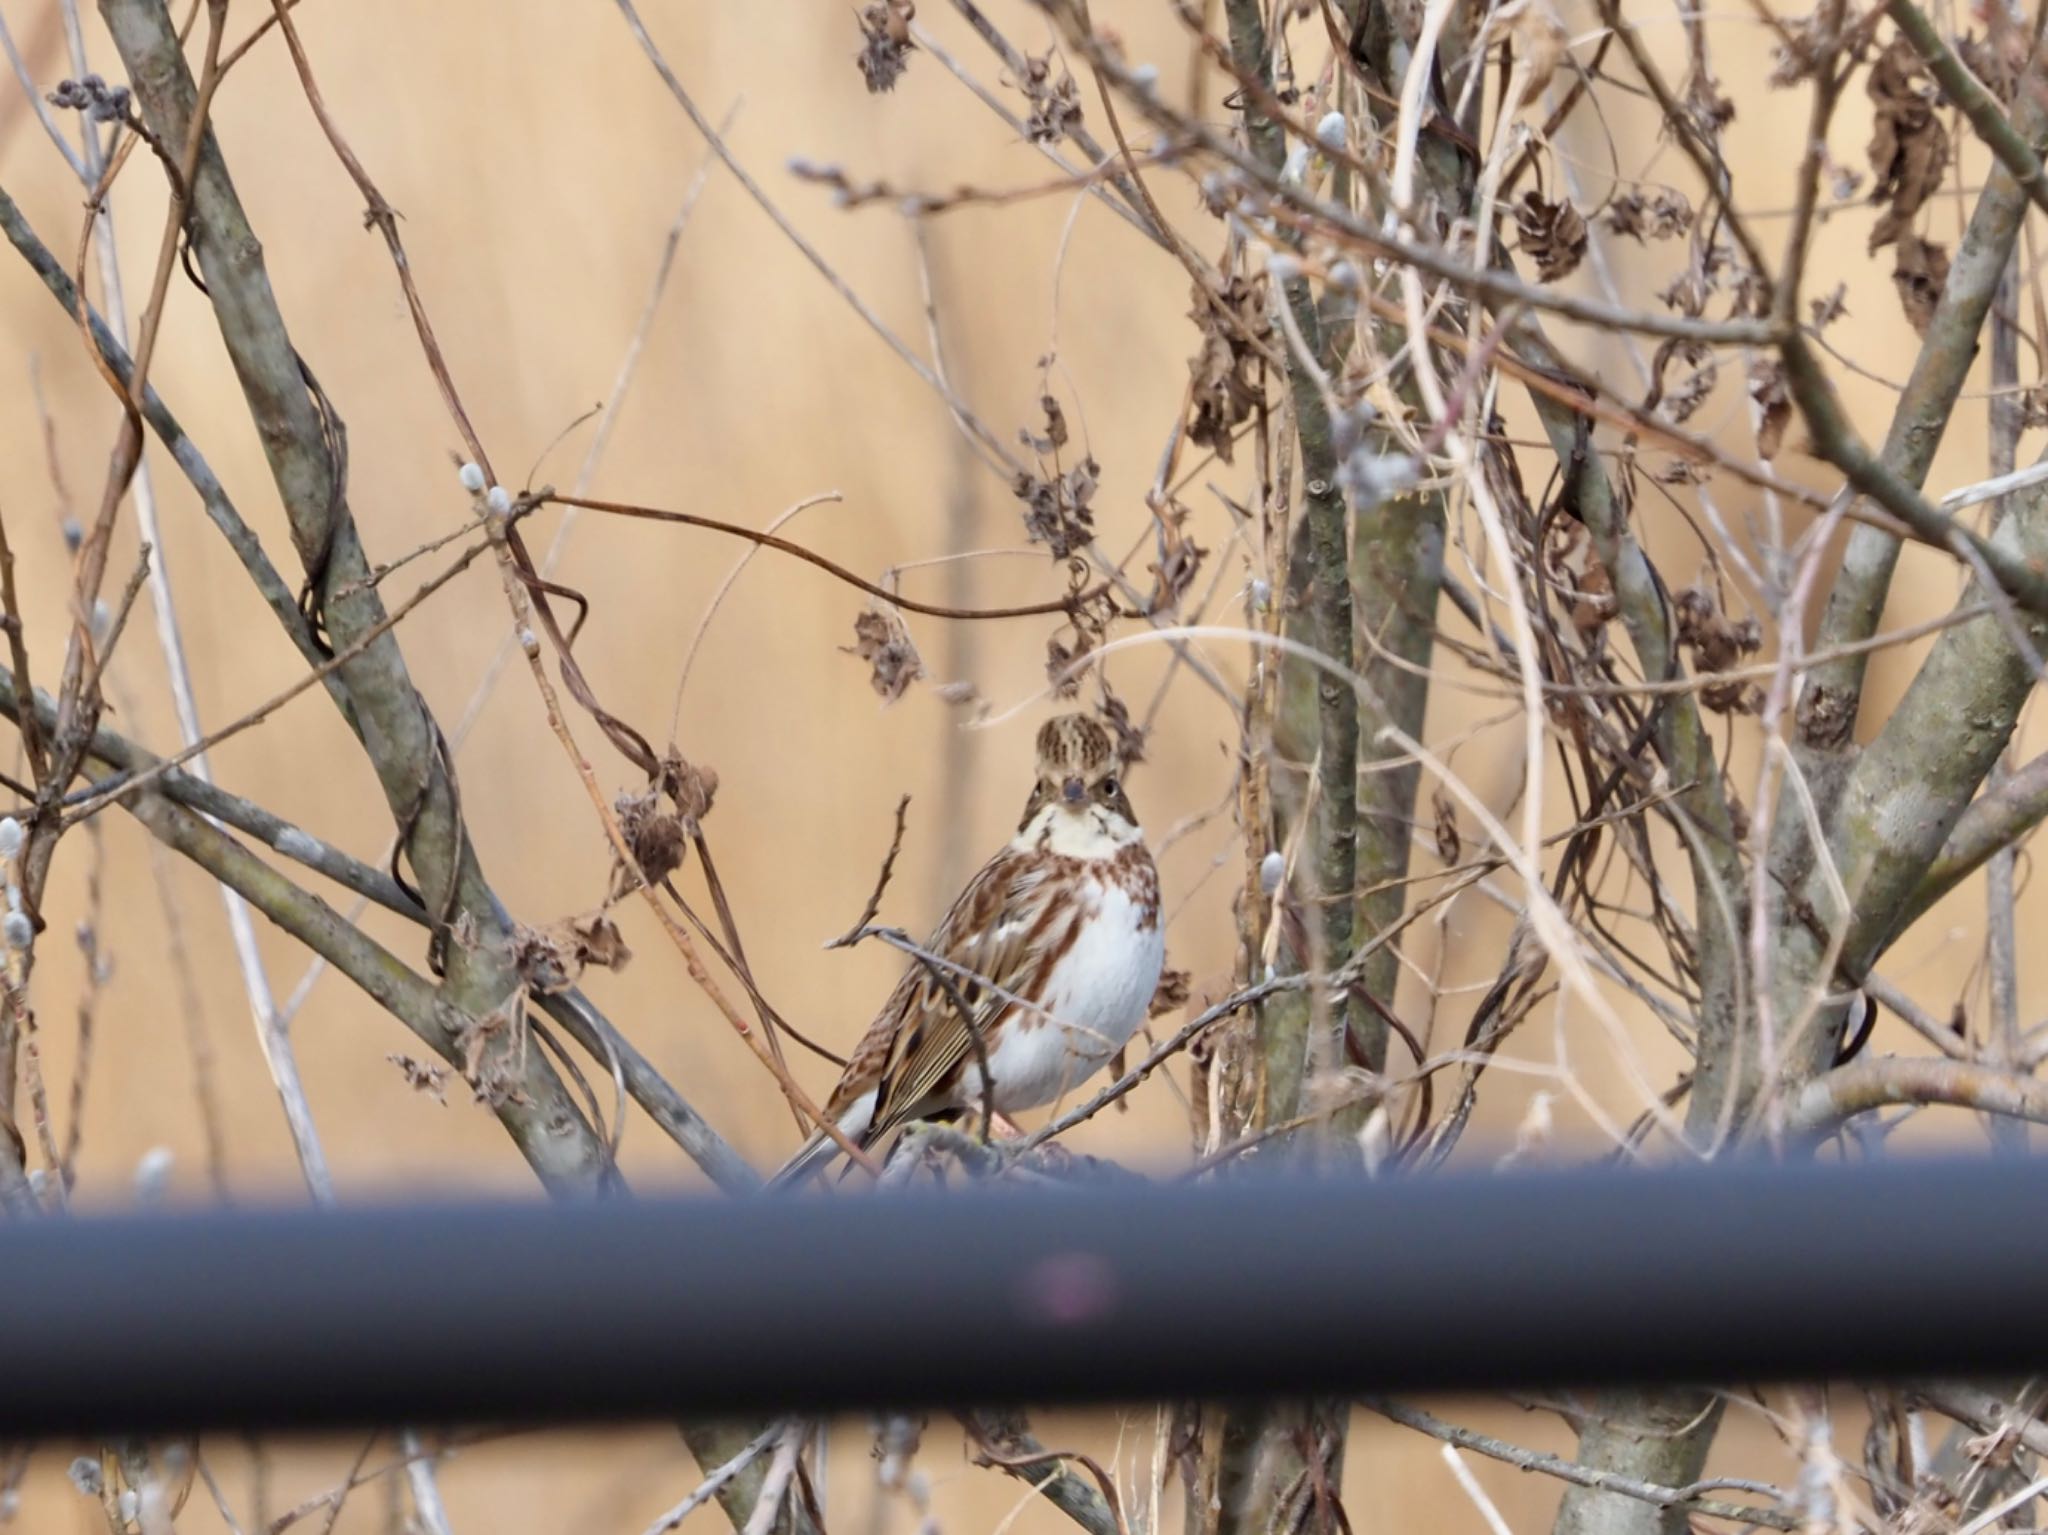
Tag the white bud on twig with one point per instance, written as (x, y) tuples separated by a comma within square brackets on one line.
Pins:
[(472, 478), (1296, 166), (11, 837), (499, 500), (153, 1174), (20, 931), (86, 1476), (1344, 276), (1262, 594), (1375, 1140), (529, 642), (1283, 266), (1146, 77), (1332, 131), (1272, 868), (1532, 1136), (1376, 478)]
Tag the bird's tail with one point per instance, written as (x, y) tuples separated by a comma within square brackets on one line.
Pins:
[(813, 1154)]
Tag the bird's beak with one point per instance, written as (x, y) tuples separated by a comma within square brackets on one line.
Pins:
[(1073, 791)]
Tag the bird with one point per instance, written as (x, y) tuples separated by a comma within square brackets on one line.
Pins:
[(1053, 950)]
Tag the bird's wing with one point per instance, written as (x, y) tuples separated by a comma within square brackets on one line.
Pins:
[(1000, 941)]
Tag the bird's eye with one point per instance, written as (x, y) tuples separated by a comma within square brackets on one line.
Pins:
[(1109, 788)]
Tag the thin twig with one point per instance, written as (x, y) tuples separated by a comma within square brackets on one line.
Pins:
[(855, 933), (80, 806), (715, 1479), (786, 546), (1690, 1498)]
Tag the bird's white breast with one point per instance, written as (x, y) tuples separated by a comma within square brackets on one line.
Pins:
[(1096, 998)]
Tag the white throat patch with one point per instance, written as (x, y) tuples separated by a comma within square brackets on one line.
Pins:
[(1090, 831)]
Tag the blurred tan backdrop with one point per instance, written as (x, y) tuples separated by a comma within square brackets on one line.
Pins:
[(538, 162)]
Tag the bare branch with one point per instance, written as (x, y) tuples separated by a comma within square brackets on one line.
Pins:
[(304, 442), (1691, 1498), (1835, 1097)]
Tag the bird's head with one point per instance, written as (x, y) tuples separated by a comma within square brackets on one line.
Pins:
[(1079, 795)]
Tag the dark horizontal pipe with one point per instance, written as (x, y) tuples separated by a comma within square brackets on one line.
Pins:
[(518, 1313)]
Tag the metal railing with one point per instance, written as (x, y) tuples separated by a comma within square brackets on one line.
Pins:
[(532, 1312)]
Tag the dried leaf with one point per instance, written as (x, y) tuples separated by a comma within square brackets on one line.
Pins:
[(1552, 234), (1679, 402), (1767, 388), (493, 1073), (1180, 560), (1171, 994), (885, 43), (1919, 273), (1710, 107), (422, 1077), (1625, 215), (654, 833), (1908, 143), (1593, 601), (1661, 216), (1998, 60), (1830, 309), (1068, 648), (1798, 49), (599, 941), (1062, 663), (1718, 644), (1055, 104), (881, 640), (1055, 422), (1738, 818), (2034, 407), (545, 959), (1129, 738), (691, 788), (1234, 325), (553, 958), (1449, 845), (1691, 392), (1057, 510), (1688, 292)]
